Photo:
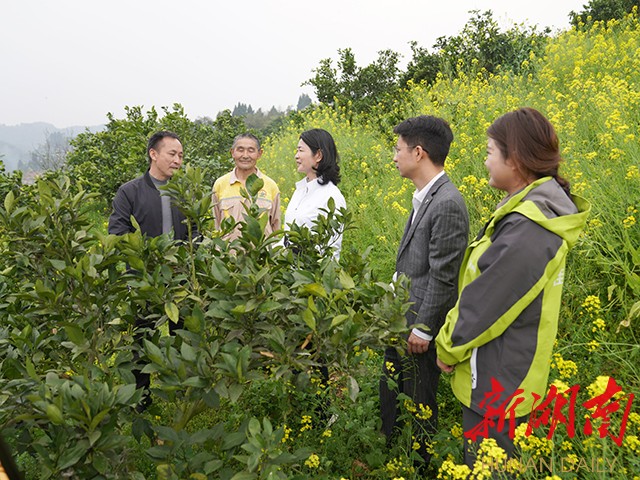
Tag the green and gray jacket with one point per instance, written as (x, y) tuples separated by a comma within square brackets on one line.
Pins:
[(505, 320)]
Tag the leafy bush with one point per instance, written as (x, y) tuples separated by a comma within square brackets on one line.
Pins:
[(251, 311), (102, 161)]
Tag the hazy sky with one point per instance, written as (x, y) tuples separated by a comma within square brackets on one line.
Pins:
[(69, 62)]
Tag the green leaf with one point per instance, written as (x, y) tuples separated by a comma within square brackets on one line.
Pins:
[(94, 437), (188, 352), (9, 201), (244, 476), (309, 319), (58, 264), (54, 414), (346, 280), (194, 382), (195, 321), (75, 334), (153, 352), (314, 289), (125, 393), (338, 319), (254, 426), (172, 311), (31, 371), (234, 439), (72, 455), (98, 418), (353, 387), (235, 390), (254, 184), (219, 271), (101, 463)]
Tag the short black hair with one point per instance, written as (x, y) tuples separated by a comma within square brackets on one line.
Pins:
[(156, 138), (328, 169), (248, 135), (433, 134)]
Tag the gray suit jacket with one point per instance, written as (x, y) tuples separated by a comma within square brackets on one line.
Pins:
[(431, 252)]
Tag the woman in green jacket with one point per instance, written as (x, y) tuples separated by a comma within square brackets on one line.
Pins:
[(498, 338)]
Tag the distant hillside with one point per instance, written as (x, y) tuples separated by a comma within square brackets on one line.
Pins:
[(17, 142)]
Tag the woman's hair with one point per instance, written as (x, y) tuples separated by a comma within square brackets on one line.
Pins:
[(529, 140), (328, 169)]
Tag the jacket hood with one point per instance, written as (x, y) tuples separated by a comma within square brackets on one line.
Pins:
[(546, 203)]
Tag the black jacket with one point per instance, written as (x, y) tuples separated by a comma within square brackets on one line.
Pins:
[(141, 198)]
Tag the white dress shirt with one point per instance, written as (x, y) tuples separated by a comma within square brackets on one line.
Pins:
[(306, 202)]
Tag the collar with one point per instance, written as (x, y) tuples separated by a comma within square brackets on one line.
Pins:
[(308, 186), (233, 178), (420, 195)]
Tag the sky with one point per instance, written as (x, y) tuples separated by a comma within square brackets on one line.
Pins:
[(70, 62)]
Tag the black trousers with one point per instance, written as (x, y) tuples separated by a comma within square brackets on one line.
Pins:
[(417, 376)]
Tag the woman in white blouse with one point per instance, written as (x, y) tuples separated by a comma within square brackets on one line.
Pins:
[(316, 157)]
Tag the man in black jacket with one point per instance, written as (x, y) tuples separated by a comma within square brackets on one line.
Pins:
[(155, 214), (142, 199)]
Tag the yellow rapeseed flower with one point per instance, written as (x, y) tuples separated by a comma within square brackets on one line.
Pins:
[(599, 386), (633, 173), (424, 412), (629, 222), (632, 443), (306, 423), (450, 471), (566, 368), (591, 305), (598, 325), (313, 461)]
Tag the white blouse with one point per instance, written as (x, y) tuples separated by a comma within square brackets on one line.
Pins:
[(306, 202)]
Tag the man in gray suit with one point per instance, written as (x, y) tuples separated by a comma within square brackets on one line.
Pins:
[(430, 254)]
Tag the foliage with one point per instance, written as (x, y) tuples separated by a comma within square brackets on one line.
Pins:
[(102, 161), (304, 101), (423, 66), (361, 87), (602, 11), (586, 83), (9, 182), (483, 47), (52, 154), (235, 394), (67, 344)]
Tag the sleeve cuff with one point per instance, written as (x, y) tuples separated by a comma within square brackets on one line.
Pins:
[(424, 336)]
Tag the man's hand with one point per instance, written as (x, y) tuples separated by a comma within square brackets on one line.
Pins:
[(444, 367), (415, 344)]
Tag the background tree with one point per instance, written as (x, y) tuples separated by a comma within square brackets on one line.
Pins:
[(363, 87), (8, 182), (52, 154), (481, 45), (602, 10), (304, 101), (423, 66), (101, 162)]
